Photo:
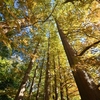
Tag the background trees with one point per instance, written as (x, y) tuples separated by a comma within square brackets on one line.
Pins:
[(25, 27)]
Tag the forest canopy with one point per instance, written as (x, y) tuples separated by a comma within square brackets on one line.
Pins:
[(49, 50)]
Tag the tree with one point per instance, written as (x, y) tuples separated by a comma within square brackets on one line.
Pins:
[(61, 88), (55, 80), (37, 94), (30, 91), (83, 79), (24, 29), (46, 95), (21, 90)]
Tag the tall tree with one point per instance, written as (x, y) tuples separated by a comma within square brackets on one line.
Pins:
[(55, 80), (46, 91), (87, 88), (31, 87), (61, 88), (40, 76), (20, 93)]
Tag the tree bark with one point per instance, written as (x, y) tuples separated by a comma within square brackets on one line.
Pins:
[(87, 88), (20, 93), (30, 91)]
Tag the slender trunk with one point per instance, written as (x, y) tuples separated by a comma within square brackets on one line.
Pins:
[(61, 88), (37, 94), (87, 88), (46, 92), (20, 93), (67, 93), (55, 80), (66, 86), (21, 90), (30, 91), (50, 86)]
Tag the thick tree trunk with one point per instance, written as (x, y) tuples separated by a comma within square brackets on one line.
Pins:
[(21, 90), (87, 88), (46, 92)]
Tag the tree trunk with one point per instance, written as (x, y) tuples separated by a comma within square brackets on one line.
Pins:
[(37, 94), (21, 90), (61, 88), (87, 88), (20, 93), (46, 92), (55, 80), (66, 86), (30, 91)]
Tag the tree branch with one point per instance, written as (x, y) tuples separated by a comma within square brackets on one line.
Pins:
[(22, 22), (88, 47), (47, 17)]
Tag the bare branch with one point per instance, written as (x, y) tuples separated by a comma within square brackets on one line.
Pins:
[(47, 17), (88, 47)]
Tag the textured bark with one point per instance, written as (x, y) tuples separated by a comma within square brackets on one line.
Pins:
[(30, 91), (46, 92), (87, 88), (21, 90)]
